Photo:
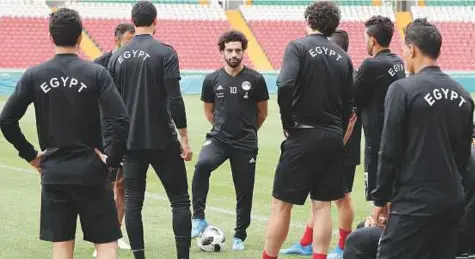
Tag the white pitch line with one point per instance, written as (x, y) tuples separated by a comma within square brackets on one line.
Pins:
[(159, 197)]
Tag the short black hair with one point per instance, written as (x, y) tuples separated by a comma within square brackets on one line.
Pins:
[(341, 38), (425, 36), (122, 28), (231, 36), (65, 27), (323, 16), (144, 13), (381, 28)]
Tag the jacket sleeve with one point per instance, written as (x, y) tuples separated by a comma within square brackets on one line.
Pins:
[(393, 143)]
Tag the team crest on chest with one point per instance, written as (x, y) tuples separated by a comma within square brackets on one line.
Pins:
[(246, 86)]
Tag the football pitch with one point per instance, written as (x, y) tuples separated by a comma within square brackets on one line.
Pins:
[(20, 202)]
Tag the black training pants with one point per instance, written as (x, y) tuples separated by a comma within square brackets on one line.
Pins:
[(243, 168), (170, 168)]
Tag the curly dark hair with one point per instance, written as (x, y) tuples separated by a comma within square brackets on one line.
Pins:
[(425, 36), (144, 13), (65, 27), (231, 36), (381, 28), (323, 16)]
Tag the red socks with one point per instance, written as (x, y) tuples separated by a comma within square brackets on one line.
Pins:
[(307, 237), (319, 256), (266, 256), (343, 235)]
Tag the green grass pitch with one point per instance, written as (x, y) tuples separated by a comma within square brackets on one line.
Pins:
[(20, 202)]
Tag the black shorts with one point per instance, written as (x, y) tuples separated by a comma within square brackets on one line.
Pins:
[(62, 203), (311, 162), (348, 177)]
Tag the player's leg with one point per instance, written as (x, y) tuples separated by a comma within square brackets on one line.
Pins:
[(410, 232), (170, 168), (445, 239), (98, 216), (345, 213), (327, 186), (135, 172), (212, 155), (243, 167), (291, 186), (58, 219), (362, 243), (304, 246), (119, 197)]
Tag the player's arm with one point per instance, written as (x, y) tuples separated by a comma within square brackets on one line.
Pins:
[(207, 96), (362, 85), (346, 96), (286, 84), (463, 153), (262, 97), (393, 143), (174, 98), (12, 112), (112, 104)]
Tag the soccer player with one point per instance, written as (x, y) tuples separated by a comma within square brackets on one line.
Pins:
[(147, 74), (235, 103), (124, 32), (425, 148), (371, 85), (352, 151), (67, 92), (314, 96), (363, 242)]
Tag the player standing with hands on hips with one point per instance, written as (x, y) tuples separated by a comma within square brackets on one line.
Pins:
[(235, 103), (68, 94), (315, 100), (425, 149), (147, 74)]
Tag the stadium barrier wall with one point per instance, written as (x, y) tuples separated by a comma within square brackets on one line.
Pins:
[(192, 80)]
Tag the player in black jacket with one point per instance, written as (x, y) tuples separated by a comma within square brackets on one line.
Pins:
[(314, 96), (123, 33), (352, 141), (147, 75), (67, 93), (371, 84), (425, 148)]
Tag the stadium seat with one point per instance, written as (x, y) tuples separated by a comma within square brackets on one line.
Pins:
[(193, 30), (458, 34), (27, 42), (274, 26)]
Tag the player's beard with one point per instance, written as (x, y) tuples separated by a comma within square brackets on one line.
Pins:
[(233, 62)]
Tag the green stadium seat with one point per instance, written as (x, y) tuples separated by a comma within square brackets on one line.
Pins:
[(307, 2), (450, 2)]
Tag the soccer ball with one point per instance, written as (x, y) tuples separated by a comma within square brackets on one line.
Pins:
[(212, 239)]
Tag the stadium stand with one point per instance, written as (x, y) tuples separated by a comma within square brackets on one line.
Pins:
[(192, 29), (27, 42), (276, 25), (457, 25)]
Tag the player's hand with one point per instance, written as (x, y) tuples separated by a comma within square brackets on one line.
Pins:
[(101, 156), (349, 129), (379, 216), (37, 160), (286, 133), (186, 152)]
